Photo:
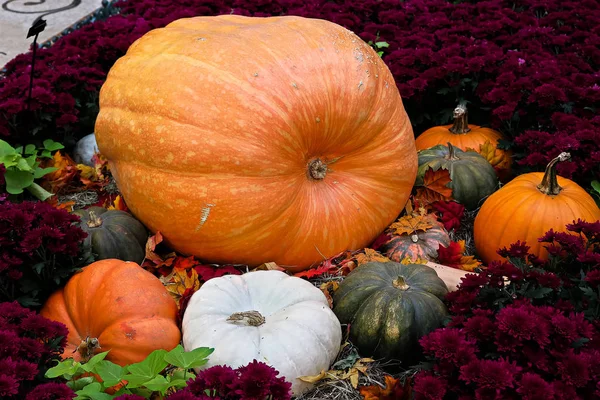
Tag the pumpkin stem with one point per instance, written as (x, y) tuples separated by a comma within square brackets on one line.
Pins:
[(251, 318), (317, 169), (94, 221), (87, 348), (451, 155), (549, 183), (400, 283), (461, 123)]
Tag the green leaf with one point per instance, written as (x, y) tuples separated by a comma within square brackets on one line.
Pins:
[(31, 161), (10, 160), (38, 173), (141, 372), (39, 191), (178, 383), (158, 384), (66, 367), (347, 362), (89, 366), (30, 149), (539, 292), (92, 391), (80, 383), (596, 186), (6, 149), (23, 165), (381, 45), (46, 154), (16, 181), (110, 373), (186, 360), (51, 145)]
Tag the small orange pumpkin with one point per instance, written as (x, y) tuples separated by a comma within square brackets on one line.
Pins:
[(466, 136), (118, 306), (525, 209)]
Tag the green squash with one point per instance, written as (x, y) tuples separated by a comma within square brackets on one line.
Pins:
[(389, 307), (473, 177), (113, 234)]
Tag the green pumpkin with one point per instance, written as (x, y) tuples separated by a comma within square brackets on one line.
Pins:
[(473, 177), (389, 307), (113, 234)]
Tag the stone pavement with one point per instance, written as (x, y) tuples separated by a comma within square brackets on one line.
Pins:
[(17, 16)]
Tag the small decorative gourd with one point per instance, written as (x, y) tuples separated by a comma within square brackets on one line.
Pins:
[(417, 245), (118, 306), (113, 234), (529, 206), (473, 177), (389, 307), (269, 316)]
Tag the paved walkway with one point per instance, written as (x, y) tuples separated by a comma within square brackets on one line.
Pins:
[(16, 17)]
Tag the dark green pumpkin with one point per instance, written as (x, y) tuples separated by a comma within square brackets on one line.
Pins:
[(389, 307), (473, 177), (113, 234)]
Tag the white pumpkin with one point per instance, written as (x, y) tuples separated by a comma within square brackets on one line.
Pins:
[(265, 315), (85, 149)]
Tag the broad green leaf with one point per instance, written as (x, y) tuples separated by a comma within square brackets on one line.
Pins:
[(135, 381), (66, 367), (178, 383), (110, 373), (39, 191), (23, 165), (39, 172), (159, 384), (596, 186), (182, 359), (30, 149), (6, 149), (80, 383), (10, 160), (51, 145), (31, 161), (46, 154), (382, 44), (92, 391), (151, 366), (89, 366), (16, 181)]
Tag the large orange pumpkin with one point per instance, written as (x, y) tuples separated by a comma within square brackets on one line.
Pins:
[(248, 140), (118, 306), (466, 136), (529, 206)]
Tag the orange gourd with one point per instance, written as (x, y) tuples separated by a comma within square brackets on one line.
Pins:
[(248, 139), (529, 206), (466, 136), (118, 306)]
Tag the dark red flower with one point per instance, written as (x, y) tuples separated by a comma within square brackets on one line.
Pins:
[(429, 387), (51, 391)]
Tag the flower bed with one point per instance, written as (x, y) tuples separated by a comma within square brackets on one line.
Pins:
[(524, 327), (503, 57)]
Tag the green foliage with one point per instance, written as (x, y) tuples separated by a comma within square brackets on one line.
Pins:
[(596, 191), (23, 167), (161, 371), (378, 45)]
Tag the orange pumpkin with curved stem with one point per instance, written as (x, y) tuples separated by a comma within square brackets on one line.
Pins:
[(300, 151), (118, 306), (467, 136), (529, 206)]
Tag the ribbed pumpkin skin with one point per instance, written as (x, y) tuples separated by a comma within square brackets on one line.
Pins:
[(425, 247), (122, 305), (473, 178), (210, 123), (519, 211), (386, 321), (119, 235)]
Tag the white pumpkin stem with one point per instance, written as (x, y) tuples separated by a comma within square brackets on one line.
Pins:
[(87, 348), (549, 183), (400, 283), (461, 122), (94, 221), (251, 318)]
